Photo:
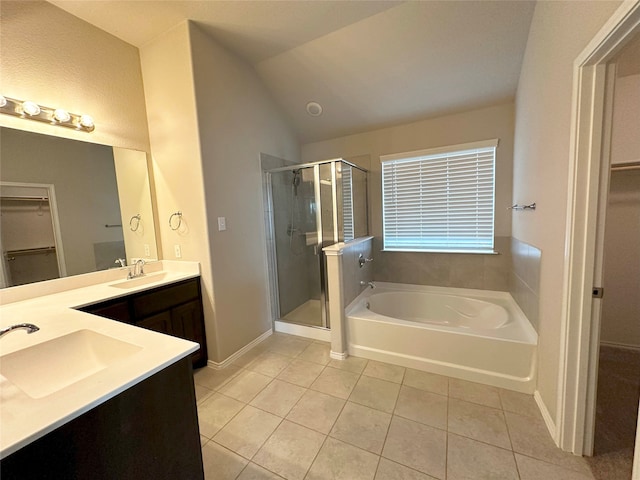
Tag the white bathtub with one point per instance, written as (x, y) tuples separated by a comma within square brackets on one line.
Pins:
[(476, 335)]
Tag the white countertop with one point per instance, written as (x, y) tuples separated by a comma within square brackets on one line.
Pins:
[(24, 419)]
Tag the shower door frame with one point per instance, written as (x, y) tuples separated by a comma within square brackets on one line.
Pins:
[(275, 290)]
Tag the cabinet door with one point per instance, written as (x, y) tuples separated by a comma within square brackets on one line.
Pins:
[(114, 310), (160, 322), (187, 322)]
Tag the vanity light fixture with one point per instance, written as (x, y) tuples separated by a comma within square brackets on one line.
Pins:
[(58, 116)]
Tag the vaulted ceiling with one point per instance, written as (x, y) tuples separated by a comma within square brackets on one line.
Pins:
[(370, 64)]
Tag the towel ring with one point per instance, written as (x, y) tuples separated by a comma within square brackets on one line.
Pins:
[(134, 223), (176, 214)]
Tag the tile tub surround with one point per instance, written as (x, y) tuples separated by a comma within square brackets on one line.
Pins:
[(516, 269), (524, 278), (357, 419), (483, 272)]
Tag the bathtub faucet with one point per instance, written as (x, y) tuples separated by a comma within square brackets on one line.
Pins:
[(370, 284)]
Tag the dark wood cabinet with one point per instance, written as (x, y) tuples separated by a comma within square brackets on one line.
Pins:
[(174, 309), (149, 431)]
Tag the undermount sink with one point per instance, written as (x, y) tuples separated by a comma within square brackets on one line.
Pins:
[(139, 281), (50, 366)]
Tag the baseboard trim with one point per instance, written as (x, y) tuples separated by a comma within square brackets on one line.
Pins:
[(546, 416), (229, 360), (623, 346), (338, 355)]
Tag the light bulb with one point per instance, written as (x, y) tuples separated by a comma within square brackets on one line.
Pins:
[(3, 101), (61, 115), (30, 108), (86, 121)]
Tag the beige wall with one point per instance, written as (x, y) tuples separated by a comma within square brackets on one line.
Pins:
[(57, 60), (559, 31), (238, 120), (206, 163), (482, 124), (176, 159), (625, 146), (621, 304)]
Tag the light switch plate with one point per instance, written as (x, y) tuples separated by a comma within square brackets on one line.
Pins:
[(178, 251), (222, 224), (147, 251)]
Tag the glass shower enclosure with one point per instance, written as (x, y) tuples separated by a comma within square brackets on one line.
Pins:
[(311, 206)]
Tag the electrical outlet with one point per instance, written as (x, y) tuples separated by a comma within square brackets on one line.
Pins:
[(178, 251), (222, 224), (147, 252)]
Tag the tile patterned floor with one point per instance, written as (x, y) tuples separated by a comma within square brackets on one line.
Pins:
[(286, 410)]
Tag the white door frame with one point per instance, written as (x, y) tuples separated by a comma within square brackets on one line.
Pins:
[(580, 317), (55, 219)]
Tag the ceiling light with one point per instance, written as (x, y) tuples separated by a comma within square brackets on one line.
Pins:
[(314, 109), (30, 108), (61, 115)]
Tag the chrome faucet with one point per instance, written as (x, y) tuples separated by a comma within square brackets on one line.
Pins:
[(30, 327), (121, 261), (137, 270), (365, 284)]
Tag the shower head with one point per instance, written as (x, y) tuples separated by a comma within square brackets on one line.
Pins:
[(296, 181)]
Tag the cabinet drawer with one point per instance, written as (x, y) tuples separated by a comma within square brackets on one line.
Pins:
[(160, 299)]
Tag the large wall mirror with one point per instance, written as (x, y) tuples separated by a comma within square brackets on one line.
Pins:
[(70, 207)]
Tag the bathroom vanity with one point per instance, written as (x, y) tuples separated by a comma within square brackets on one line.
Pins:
[(174, 309), (88, 397)]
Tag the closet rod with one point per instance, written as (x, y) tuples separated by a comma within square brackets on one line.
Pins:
[(26, 199), (30, 251), (626, 166)]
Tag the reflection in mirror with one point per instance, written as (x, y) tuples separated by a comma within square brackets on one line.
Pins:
[(67, 205)]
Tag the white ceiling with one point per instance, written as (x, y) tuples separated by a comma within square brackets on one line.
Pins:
[(369, 63)]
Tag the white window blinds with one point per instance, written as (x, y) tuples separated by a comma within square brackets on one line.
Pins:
[(440, 199)]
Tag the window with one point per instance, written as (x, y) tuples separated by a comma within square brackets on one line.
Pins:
[(440, 200)]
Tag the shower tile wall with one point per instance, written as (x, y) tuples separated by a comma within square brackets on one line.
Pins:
[(524, 280), (486, 272)]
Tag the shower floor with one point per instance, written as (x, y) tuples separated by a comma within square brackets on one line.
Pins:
[(306, 314)]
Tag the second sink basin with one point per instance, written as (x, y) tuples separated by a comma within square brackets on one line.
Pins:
[(50, 366), (139, 281)]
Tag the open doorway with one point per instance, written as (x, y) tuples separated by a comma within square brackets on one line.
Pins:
[(618, 373), (591, 161), (30, 234)]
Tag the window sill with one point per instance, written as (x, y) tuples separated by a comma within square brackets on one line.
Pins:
[(472, 252)]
